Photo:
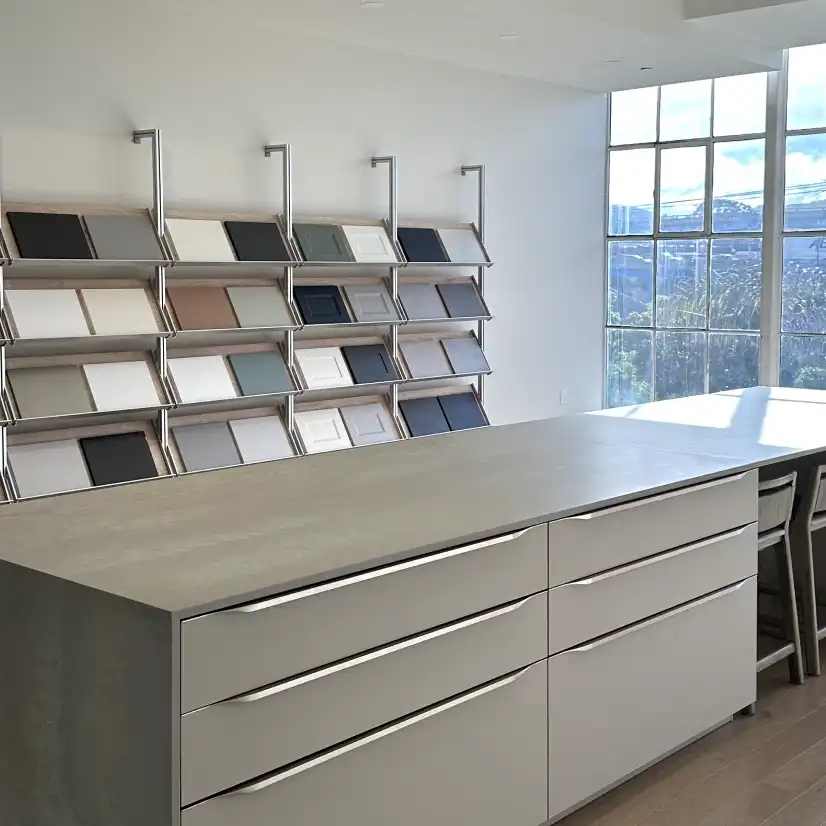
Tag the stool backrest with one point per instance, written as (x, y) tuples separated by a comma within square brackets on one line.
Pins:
[(813, 501), (775, 503)]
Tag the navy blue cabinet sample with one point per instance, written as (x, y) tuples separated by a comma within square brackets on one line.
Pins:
[(462, 411), (424, 417), (124, 457), (462, 299), (49, 235), (321, 305), (421, 245), (370, 363), (323, 242), (257, 241)]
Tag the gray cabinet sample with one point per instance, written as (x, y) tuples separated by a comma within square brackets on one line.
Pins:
[(371, 303), (50, 391), (466, 355), (260, 307), (424, 417), (48, 467), (261, 439), (462, 246), (425, 359), (422, 302), (323, 242), (369, 424), (123, 237), (261, 374), (206, 446), (462, 299)]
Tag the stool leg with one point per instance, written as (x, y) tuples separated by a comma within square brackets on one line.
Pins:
[(785, 571), (804, 564)]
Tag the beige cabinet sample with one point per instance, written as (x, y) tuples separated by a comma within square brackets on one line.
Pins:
[(122, 385), (46, 313), (261, 439), (323, 367), (260, 307), (370, 245), (201, 379), (120, 312), (322, 430), (48, 467), (198, 240)]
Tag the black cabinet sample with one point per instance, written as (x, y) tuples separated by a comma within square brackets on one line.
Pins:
[(421, 245), (462, 411), (323, 242), (462, 300), (424, 417), (122, 458), (257, 241), (321, 305), (261, 374), (49, 235), (370, 363)]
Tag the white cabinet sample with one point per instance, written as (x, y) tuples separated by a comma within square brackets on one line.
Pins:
[(47, 313), (122, 385), (322, 430), (323, 367), (48, 467), (370, 245), (119, 312), (369, 424), (462, 246), (261, 439), (198, 240), (201, 379)]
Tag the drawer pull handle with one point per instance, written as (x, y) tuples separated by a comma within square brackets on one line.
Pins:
[(629, 506), (377, 574), (382, 652), (584, 649), (386, 732), (626, 569)]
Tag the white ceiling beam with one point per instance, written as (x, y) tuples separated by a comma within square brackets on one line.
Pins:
[(699, 9)]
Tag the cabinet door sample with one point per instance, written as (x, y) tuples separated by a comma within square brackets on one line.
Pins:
[(206, 446), (424, 417), (370, 363), (257, 241), (123, 237), (117, 312), (462, 411), (370, 245), (421, 245), (47, 313), (49, 235), (462, 300), (122, 385), (322, 430), (369, 424), (321, 305), (371, 303), (50, 467), (425, 359), (125, 457), (421, 302), (462, 246), (261, 439), (260, 374), (466, 355), (202, 308), (201, 379), (198, 240), (260, 307), (50, 391), (323, 242), (323, 367)]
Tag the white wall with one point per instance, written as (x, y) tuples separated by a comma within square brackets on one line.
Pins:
[(74, 91)]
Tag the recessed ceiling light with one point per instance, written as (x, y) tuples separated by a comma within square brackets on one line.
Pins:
[(646, 68), (510, 38), (371, 5)]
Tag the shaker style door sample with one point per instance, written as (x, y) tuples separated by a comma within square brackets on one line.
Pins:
[(462, 299), (370, 245), (323, 367), (50, 391), (370, 363), (123, 237), (424, 417), (322, 430), (421, 302), (49, 235), (321, 305), (260, 307), (462, 246), (425, 359), (50, 467), (47, 313), (206, 446), (122, 385), (257, 241), (197, 240), (323, 242), (421, 245), (371, 303), (259, 374), (261, 439), (369, 424), (202, 308), (201, 379), (466, 355), (117, 312), (462, 411), (122, 458)]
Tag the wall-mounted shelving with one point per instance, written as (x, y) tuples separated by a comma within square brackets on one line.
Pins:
[(140, 343)]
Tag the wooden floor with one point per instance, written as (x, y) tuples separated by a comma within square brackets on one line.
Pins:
[(765, 770)]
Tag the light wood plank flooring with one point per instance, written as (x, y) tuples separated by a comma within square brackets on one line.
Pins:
[(767, 770)]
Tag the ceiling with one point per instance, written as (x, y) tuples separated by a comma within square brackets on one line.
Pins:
[(602, 45)]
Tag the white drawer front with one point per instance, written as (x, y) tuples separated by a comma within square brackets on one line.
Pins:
[(235, 651), (227, 744), (626, 700), (596, 606), (598, 541), (480, 758)]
